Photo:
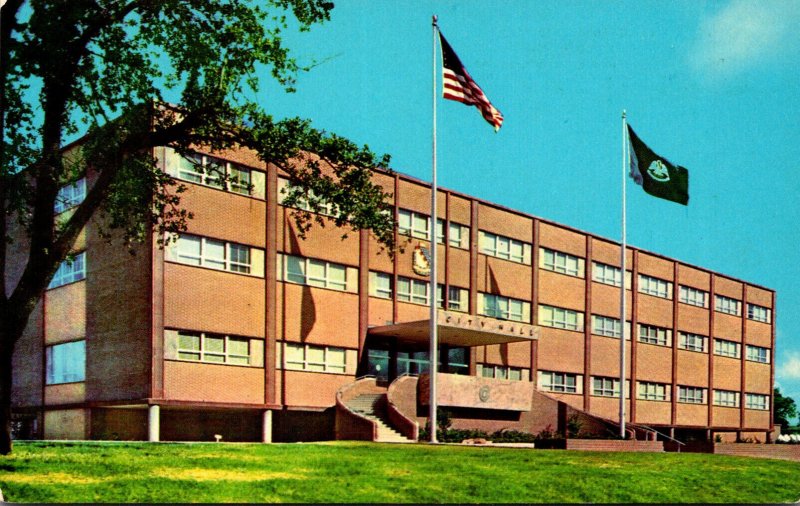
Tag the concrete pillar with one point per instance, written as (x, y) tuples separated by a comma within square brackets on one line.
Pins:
[(154, 423), (266, 426)]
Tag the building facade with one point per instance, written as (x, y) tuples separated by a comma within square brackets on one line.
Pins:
[(242, 329)]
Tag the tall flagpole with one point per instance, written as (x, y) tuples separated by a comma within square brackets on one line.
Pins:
[(622, 297), (433, 288)]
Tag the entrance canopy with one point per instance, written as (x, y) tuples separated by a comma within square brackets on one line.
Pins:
[(458, 329)]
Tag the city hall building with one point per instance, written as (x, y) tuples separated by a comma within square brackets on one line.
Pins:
[(243, 330)]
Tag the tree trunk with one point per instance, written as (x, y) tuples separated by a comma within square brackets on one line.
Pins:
[(6, 355)]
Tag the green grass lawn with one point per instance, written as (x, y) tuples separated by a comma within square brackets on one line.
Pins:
[(366, 472)]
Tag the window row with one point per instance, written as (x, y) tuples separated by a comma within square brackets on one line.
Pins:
[(559, 382), (213, 348), (316, 358), (503, 372), (216, 254), (317, 273), (417, 291), (414, 224), (504, 247), (215, 173), (563, 263), (70, 271)]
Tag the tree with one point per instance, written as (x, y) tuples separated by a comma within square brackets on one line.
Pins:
[(70, 66), (785, 409)]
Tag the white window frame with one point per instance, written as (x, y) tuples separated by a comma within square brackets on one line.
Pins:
[(726, 348), (503, 247), (70, 196), (563, 263), (503, 372), (326, 208), (606, 274), (692, 296), (229, 262), (504, 308), (758, 313), (457, 298), (222, 176), (656, 287), (415, 291), (560, 382), (204, 351), (652, 391), (757, 401), (757, 354), (414, 224), (691, 395), (380, 285), (307, 265), (65, 363), (560, 318), (727, 305), (726, 398), (329, 363), (692, 342), (457, 234), (653, 334), (609, 327), (605, 387), (69, 271)]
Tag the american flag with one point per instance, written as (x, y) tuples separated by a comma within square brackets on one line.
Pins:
[(459, 86)]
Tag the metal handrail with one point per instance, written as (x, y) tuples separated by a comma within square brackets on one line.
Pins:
[(666, 436)]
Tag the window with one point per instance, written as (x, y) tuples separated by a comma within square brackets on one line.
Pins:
[(70, 196), (457, 298), (559, 382), (303, 202), (606, 387), (66, 363), (757, 401), (215, 172), (560, 318), (70, 271), (692, 296), (413, 224), (652, 391), (309, 357), (214, 254), (504, 247), (655, 287), (727, 305), (758, 313), (503, 372), (725, 348), (609, 327), (213, 348), (757, 354), (692, 342), (412, 290), (691, 395), (313, 272), (457, 234), (726, 398), (654, 335), (564, 263), (504, 308), (380, 285), (607, 274)]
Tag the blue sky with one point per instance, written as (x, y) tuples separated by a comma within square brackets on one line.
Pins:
[(713, 86)]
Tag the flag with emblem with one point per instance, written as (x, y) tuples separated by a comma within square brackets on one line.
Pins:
[(459, 86), (656, 174)]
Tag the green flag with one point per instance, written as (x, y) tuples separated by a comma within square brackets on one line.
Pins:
[(656, 174)]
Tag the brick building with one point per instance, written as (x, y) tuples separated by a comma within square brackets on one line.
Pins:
[(244, 330)]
